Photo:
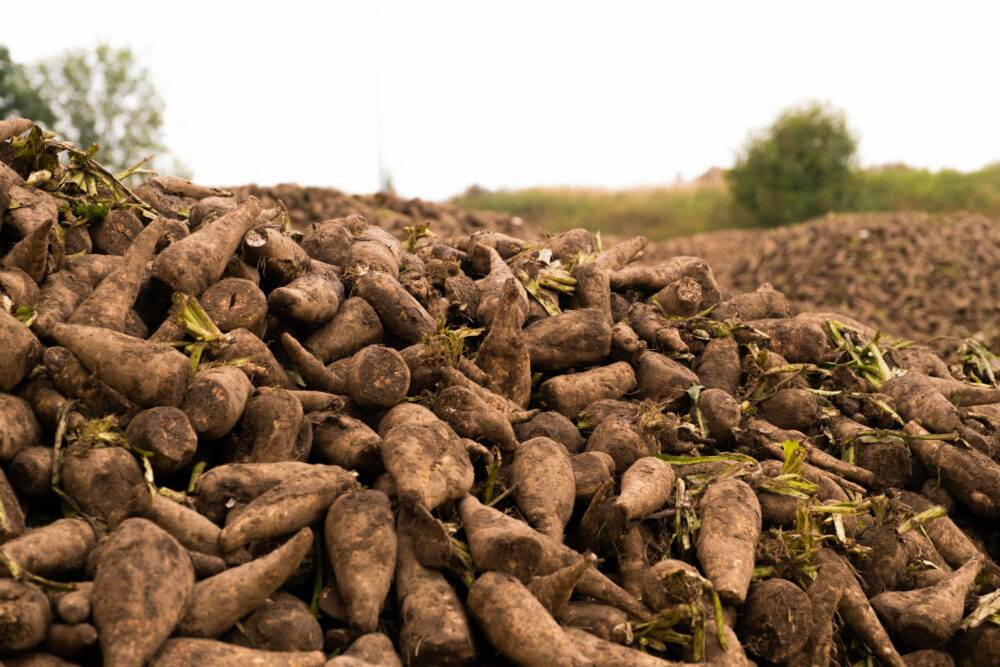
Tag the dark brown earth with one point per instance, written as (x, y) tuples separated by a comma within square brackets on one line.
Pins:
[(915, 275)]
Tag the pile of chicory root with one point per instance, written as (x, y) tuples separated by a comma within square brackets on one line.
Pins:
[(224, 442)]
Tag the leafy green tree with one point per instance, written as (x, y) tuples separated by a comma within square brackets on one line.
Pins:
[(103, 96), (802, 166), (18, 96)]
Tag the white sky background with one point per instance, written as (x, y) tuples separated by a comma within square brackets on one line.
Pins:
[(514, 94)]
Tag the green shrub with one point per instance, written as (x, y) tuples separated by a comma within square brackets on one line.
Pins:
[(799, 168)]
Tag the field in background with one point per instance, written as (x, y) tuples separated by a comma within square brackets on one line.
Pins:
[(667, 212)]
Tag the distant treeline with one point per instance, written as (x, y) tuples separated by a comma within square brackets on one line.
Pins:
[(680, 210)]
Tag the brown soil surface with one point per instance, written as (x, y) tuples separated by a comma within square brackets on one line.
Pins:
[(916, 275)]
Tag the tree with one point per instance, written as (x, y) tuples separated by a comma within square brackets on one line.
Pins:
[(103, 97), (802, 166), (18, 96)]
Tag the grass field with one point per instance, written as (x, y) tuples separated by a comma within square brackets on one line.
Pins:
[(665, 212)]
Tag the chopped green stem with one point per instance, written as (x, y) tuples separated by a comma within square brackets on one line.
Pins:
[(196, 472), (492, 470), (195, 320), (919, 519), (720, 620), (506, 492)]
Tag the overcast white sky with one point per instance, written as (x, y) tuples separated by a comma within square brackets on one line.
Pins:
[(513, 93)]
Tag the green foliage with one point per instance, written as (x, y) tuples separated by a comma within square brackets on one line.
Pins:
[(103, 96), (801, 167), (655, 212), (903, 188), (18, 96)]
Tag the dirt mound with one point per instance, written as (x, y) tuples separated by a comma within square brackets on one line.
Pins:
[(309, 204), (913, 274)]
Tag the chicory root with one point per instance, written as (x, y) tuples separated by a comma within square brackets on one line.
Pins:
[(218, 602), (435, 629), (590, 471), (196, 262), (109, 304), (347, 442), (281, 623), (479, 405), (143, 583), (517, 624), (271, 429), (720, 413), (604, 653), (72, 379), (593, 288), (491, 288), (292, 504), (18, 426), (653, 278), (235, 303), (427, 461), (328, 241), (361, 545), (546, 491), (25, 614), (243, 347), (776, 621), (551, 425), (57, 299), (354, 326), (599, 620), (372, 249), (970, 476), (11, 513), (646, 486), (54, 549), (472, 417), (279, 258), (374, 648), (114, 234), (377, 378), (398, 311), (19, 353), (47, 403), (31, 470), (529, 553), (554, 590), (575, 338), (310, 299), (660, 378), (184, 651), (215, 400), (31, 253), (69, 639), (928, 617), (730, 527), (192, 530), (106, 482), (504, 355), (763, 303), (571, 393), (149, 374), (73, 606), (167, 434), (719, 365)]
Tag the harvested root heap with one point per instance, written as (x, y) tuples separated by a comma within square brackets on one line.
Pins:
[(227, 443)]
